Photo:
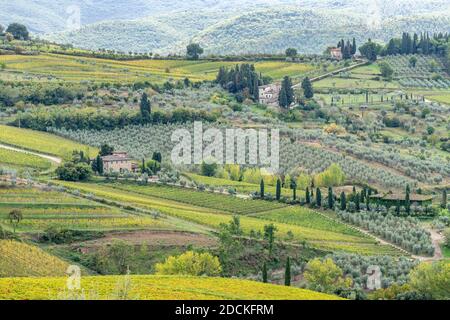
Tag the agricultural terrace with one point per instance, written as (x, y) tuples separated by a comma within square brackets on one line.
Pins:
[(54, 67), (42, 209), (321, 237), (19, 259), (156, 288), (19, 160), (42, 142)]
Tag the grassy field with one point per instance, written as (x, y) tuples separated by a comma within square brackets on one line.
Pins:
[(155, 288), (14, 159), (44, 209), (360, 78), (320, 237), (42, 142), (19, 259), (52, 67)]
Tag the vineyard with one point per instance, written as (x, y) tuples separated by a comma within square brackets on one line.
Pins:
[(53, 68), (155, 288), (325, 236), (43, 209), (202, 199), (19, 259)]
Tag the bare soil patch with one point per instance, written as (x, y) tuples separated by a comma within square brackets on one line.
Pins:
[(152, 238)]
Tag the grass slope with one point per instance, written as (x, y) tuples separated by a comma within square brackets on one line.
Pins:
[(156, 288), (14, 159), (42, 142)]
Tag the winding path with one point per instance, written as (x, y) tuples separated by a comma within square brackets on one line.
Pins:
[(53, 159)]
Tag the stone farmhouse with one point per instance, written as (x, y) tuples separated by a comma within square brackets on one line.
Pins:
[(336, 53), (268, 94), (118, 162)]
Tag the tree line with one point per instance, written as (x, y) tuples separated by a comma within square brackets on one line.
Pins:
[(242, 80)]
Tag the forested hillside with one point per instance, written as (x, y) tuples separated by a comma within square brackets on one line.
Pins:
[(265, 30)]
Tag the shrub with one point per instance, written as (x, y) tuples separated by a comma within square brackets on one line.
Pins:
[(190, 263)]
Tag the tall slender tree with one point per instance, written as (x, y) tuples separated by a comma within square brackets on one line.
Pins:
[(264, 272), (307, 87), (261, 188), (343, 201), (330, 198), (307, 195), (287, 272), (318, 197), (278, 189)]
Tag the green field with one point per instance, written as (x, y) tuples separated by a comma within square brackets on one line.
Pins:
[(20, 160), (42, 142), (53, 67), (155, 288), (358, 78)]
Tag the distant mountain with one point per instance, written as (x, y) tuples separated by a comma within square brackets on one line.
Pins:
[(226, 26)]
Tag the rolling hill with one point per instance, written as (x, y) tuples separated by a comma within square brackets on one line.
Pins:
[(265, 30)]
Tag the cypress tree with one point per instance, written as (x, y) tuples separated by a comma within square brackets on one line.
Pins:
[(282, 98), (294, 189), (357, 203), (264, 273), (397, 208), (444, 199), (99, 165), (343, 201), (407, 200), (278, 191), (330, 198), (307, 87), (145, 108), (143, 166), (308, 197), (318, 197), (261, 188), (367, 203), (287, 273)]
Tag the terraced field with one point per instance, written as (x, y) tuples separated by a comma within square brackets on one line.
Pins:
[(319, 232), (42, 142), (19, 259), (42, 209), (53, 67), (156, 288)]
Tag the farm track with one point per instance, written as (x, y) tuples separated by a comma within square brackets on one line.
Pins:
[(53, 159)]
